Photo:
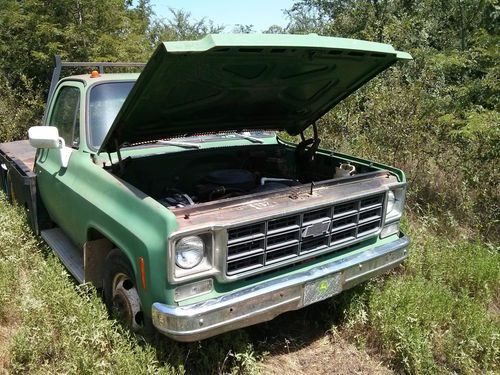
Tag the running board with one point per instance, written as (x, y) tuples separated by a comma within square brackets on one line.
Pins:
[(70, 255)]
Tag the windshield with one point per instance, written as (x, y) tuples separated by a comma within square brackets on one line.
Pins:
[(106, 99)]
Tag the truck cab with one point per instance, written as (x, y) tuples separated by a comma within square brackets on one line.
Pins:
[(173, 191)]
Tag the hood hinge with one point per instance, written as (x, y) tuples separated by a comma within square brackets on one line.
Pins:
[(121, 168), (307, 148)]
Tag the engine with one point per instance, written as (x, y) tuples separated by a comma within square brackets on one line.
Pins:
[(225, 183)]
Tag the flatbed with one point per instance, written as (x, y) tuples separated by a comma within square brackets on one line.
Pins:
[(20, 151), (17, 177)]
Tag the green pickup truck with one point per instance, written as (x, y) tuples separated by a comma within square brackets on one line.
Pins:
[(172, 191)]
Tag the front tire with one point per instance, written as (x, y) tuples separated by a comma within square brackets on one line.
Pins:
[(120, 292)]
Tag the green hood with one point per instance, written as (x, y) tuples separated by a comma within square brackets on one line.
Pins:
[(240, 82)]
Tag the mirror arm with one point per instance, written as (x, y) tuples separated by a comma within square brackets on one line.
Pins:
[(64, 153), (62, 144)]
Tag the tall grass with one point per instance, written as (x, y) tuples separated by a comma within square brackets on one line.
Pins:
[(438, 316), (60, 327)]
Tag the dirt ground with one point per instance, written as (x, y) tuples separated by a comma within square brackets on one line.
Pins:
[(307, 342), (325, 355), (6, 333)]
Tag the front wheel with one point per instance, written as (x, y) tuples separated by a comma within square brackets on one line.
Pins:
[(120, 292)]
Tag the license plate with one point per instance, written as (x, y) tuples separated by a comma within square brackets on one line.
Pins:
[(323, 288)]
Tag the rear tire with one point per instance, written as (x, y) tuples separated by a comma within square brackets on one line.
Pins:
[(120, 292)]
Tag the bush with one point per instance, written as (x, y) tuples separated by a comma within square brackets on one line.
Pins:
[(19, 109)]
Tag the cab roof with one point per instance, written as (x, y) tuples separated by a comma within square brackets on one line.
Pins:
[(88, 80)]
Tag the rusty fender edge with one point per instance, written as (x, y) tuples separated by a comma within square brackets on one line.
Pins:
[(269, 299)]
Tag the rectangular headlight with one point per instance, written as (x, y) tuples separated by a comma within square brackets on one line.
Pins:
[(395, 204)]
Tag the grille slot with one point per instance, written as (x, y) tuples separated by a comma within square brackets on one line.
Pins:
[(344, 222), (302, 235), (343, 236), (314, 244), (282, 253), (370, 215), (245, 264), (283, 223), (316, 215), (370, 227), (282, 239), (345, 208), (245, 248), (245, 232), (371, 201)]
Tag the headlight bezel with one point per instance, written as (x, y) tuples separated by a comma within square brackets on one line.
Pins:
[(205, 267)]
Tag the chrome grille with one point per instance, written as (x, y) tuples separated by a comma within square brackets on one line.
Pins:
[(302, 235)]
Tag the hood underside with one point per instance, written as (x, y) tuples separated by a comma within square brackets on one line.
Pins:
[(241, 82)]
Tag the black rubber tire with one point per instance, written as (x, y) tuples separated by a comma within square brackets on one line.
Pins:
[(116, 263)]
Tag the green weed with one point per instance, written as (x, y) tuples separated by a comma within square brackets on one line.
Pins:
[(438, 316)]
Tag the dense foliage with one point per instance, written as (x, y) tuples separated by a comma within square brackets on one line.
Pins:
[(437, 117), (438, 316), (33, 31)]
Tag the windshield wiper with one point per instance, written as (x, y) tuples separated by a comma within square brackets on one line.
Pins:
[(179, 144), (248, 137)]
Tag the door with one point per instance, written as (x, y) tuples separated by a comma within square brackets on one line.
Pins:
[(54, 181)]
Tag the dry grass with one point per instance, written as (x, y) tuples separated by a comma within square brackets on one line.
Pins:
[(327, 355), (8, 330)]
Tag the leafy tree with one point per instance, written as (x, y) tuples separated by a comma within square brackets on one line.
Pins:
[(33, 31), (307, 17), (243, 29), (180, 26), (275, 29), (437, 117)]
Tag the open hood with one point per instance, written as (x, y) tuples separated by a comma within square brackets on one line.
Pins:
[(227, 82)]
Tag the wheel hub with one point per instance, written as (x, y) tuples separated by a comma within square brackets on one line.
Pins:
[(126, 302)]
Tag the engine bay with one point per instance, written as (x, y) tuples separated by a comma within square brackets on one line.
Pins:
[(225, 183), (187, 178)]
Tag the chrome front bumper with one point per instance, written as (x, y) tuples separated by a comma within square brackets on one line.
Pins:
[(267, 300)]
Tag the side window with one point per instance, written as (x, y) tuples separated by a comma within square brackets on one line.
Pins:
[(66, 115)]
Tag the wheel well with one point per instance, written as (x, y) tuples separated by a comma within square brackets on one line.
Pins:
[(94, 234), (95, 251)]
